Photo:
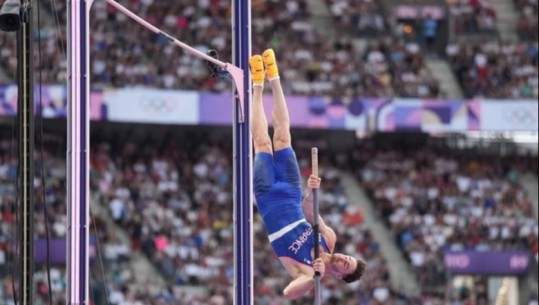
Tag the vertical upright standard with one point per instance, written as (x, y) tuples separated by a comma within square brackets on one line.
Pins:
[(78, 144), (243, 207), (78, 203)]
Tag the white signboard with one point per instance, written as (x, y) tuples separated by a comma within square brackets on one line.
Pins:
[(141, 105), (509, 115)]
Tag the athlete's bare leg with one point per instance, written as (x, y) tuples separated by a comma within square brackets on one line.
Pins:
[(259, 122), (280, 117)]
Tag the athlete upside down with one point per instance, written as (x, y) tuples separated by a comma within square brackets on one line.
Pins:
[(277, 187)]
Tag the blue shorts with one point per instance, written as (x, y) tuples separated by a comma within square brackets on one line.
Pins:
[(277, 188)]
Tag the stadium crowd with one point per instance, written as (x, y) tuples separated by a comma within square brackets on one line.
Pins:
[(358, 17), (473, 16), (496, 70), (433, 200), (393, 64), (126, 54), (50, 189), (527, 25), (172, 198)]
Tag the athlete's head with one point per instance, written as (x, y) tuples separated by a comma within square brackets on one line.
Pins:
[(347, 268)]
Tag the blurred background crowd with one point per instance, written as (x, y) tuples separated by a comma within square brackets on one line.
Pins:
[(318, 54), (170, 199)]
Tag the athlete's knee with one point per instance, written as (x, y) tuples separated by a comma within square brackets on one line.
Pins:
[(281, 136), (261, 140)]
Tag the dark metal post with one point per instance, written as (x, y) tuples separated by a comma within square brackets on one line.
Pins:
[(25, 114)]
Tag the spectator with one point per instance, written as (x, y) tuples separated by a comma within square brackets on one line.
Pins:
[(430, 29)]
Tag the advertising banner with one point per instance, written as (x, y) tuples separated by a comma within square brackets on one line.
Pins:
[(305, 112), (430, 115), (8, 100), (57, 250), (410, 11), (156, 106), (98, 110), (144, 105), (53, 98), (369, 114), (324, 113), (216, 109), (508, 115), (487, 262)]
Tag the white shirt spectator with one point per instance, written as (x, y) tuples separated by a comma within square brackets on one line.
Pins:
[(117, 208), (480, 60), (381, 294)]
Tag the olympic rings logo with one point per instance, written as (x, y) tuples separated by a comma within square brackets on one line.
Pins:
[(520, 116), (157, 104)]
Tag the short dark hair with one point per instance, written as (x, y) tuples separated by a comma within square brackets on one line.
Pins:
[(358, 273)]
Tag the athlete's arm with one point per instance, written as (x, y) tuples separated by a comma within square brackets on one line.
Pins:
[(308, 210), (298, 287), (304, 282)]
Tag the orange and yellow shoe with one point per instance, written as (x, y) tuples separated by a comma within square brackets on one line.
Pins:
[(257, 70), (272, 72)]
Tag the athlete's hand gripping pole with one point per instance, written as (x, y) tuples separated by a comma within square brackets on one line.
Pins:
[(235, 72), (316, 233)]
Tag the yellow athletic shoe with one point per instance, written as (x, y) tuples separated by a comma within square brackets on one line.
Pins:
[(257, 69), (272, 72)]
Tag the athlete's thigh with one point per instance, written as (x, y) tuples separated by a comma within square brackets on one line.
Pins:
[(263, 173), (287, 167)]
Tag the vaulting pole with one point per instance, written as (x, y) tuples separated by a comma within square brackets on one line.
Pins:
[(78, 127), (316, 229)]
